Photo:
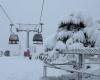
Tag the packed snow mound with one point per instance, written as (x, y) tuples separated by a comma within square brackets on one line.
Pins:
[(64, 34), (95, 35), (89, 31), (76, 46), (69, 42), (50, 42), (97, 43), (60, 45), (78, 37), (74, 18), (78, 16)]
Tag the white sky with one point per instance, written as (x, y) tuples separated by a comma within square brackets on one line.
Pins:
[(28, 11)]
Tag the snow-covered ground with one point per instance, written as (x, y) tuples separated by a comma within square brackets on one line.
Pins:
[(21, 68)]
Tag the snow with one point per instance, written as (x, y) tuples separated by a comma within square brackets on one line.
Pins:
[(69, 42), (78, 36), (97, 43), (75, 40), (64, 33), (19, 68), (89, 31), (91, 73), (76, 46), (76, 17), (50, 42), (60, 45), (95, 36)]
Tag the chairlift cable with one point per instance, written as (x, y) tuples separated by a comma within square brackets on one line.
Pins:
[(10, 20), (6, 14), (41, 11), (40, 19)]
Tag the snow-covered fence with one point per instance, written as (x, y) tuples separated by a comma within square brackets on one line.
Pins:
[(80, 70), (85, 51)]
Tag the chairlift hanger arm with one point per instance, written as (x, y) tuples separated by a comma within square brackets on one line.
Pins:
[(22, 24), (41, 25), (20, 30)]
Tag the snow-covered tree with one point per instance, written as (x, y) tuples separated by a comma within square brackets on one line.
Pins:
[(77, 32)]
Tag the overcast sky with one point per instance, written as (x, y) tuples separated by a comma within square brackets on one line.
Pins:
[(28, 11)]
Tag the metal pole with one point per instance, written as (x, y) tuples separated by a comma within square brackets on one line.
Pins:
[(35, 48), (41, 24), (28, 49), (44, 71), (80, 66), (27, 40), (27, 36), (19, 49)]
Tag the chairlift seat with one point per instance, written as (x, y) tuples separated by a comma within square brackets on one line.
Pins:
[(38, 39), (13, 39), (7, 53)]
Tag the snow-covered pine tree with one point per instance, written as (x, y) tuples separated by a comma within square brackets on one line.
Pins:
[(77, 32)]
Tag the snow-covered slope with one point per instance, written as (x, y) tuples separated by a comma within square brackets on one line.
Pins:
[(19, 68)]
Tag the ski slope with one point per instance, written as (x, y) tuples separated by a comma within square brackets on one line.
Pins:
[(21, 68)]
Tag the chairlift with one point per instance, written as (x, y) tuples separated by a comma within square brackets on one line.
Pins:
[(38, 39), (13, 39)]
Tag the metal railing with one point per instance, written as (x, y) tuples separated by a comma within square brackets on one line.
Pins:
[(81, 62)]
